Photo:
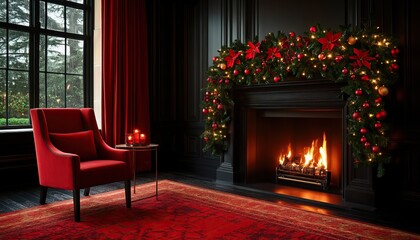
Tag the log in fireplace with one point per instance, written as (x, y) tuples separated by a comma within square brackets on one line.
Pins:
[(301, 116)]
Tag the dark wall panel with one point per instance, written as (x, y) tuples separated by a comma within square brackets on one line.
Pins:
[(298, 17)]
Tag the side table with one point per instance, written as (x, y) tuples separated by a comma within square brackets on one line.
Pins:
[(141, 148)]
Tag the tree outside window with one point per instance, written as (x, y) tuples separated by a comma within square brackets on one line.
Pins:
[(44, 64)]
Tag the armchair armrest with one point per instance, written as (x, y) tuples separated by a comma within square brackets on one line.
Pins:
[(61, 175)]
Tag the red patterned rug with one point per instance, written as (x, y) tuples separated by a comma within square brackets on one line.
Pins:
[(182, 212)]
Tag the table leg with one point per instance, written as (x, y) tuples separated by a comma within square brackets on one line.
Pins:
[(134, 171), (156, 173)]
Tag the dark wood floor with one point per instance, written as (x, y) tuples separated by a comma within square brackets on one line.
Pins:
[(25, 197)]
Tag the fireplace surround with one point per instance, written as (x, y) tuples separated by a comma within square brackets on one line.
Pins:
[(266, 117)]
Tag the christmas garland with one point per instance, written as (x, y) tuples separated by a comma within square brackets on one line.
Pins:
[(365, 60)]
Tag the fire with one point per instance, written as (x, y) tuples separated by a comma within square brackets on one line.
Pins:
[(313, 156)]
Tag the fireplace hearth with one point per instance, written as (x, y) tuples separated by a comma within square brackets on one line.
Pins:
[(269, 118)]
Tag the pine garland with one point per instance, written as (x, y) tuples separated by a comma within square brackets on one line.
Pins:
[(365, 60)]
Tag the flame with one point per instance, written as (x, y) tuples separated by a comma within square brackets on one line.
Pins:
[(312, 157), (283, 157)]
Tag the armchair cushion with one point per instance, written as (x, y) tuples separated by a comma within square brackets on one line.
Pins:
[(80, 143)]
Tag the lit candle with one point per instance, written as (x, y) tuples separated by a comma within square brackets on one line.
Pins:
[(142, 139), (136, 137), (129, 139)]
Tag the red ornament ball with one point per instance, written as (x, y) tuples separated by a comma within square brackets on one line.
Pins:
[(205, 110), (365, 105), (246, 71), (276, 78), (345, 71), (300, 56), (378, 125), (378, 100), (394, 67), (367, 144), (356, 115), (235, 72), (258, 70), (363, 130), (312, 29), (338, 58), (227, 81), (206, 139), (220, 106), (376, 149), (214, 125), (292, 34), (363, 139), (395, 52), (358, 92), (381, 115), (215, 59)]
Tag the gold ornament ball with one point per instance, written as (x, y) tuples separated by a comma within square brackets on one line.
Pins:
[(351, 40), (321, 57), (222, 66), (383, 91)]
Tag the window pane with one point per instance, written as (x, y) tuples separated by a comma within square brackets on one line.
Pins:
[(55, 54), (42, 47), (42, 14), (55, 90), (74, 20), (55, 17), (18, 98), (76, 1), (3, 47), (2, 10), (42, 98), (18, 50), (74, 56), (3, 97), (19, 12), (74, 87)]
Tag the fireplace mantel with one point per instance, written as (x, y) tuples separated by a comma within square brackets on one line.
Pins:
[(290, 93), (357, 186)]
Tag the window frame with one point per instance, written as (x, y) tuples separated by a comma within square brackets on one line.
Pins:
[(35, 32)]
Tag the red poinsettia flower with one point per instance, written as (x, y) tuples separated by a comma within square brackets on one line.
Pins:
[(273, 52), (361, 58), (232, 58), (330, 41), (252, 50)]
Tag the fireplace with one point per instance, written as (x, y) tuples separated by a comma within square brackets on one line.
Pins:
[(267, 119), (300, 145)]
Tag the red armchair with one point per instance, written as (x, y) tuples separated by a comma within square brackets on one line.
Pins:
[(72, 155)]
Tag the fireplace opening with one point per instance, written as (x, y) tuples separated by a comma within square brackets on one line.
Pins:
[(300, 147)]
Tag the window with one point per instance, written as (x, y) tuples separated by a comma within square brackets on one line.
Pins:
[(45, 57)]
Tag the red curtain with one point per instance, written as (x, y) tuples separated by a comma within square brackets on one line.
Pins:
[(125, 82)]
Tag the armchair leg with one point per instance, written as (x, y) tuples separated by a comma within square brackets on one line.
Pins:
[(86, 191), (76, 204), (127, 185), (43, 195)]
